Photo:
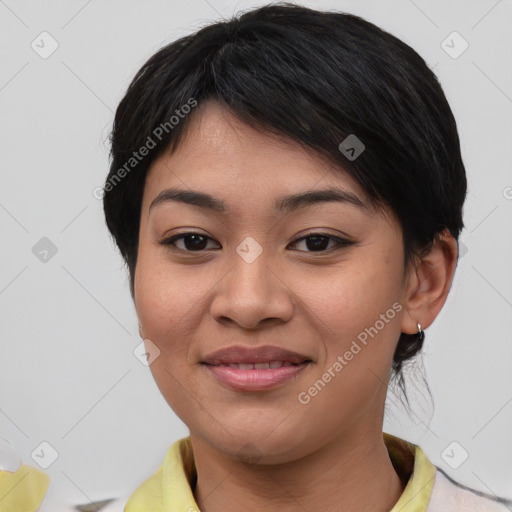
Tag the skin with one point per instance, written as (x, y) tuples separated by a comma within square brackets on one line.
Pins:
[(264, 450)]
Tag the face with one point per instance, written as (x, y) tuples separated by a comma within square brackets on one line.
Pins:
[(320, 277)]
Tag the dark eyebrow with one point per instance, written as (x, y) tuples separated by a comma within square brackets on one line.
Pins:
[(295, 201), (284, 204)]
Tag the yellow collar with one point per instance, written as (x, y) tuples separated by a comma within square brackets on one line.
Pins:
[(406, 457), (24, 490), (170, 488)]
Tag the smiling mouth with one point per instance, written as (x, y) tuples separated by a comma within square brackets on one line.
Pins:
[(256, 376), (272, 365), (245, 368)]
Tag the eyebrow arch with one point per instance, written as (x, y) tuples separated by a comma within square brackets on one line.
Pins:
[(284, 204)]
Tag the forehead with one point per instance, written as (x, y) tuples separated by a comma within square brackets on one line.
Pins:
[(228, 159)]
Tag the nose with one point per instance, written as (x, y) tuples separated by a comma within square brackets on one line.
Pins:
[(252, 294)]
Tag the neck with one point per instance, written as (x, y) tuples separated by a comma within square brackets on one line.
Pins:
[(352, 472)]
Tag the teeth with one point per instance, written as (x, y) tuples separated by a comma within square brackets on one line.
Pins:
[(259, 366)]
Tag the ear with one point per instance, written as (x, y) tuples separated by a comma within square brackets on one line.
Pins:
[(428, 284)]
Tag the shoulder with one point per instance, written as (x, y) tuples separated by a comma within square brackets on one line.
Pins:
[(23, 490), (170, 487), (450, 496), (148, 496)]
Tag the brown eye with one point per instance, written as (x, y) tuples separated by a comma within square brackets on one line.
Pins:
[(319, 242), (314, 242), (192, 242)]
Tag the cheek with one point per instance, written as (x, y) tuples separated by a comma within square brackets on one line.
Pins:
[(165, 304), (158, 288), (348, 301), (170, 300), (357, 319), (357, 314), (156, 298)]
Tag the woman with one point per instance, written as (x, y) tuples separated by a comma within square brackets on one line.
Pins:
[(286, 189)]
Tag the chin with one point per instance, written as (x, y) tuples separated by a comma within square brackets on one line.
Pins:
[(263, 445)]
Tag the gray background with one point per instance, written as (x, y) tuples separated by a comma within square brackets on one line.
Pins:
[(68, 328)]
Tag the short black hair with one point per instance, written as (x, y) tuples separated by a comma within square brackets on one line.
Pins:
[(317, 77)]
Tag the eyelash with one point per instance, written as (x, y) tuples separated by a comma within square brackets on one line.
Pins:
[(340, 242)]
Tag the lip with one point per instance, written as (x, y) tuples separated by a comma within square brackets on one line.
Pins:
[(239, 354), (254, 379)]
